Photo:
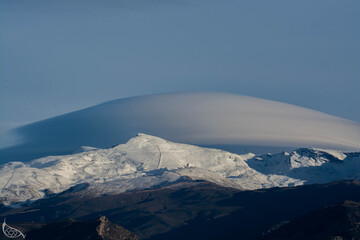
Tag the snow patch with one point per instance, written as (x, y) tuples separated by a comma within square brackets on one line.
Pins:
[(335, 153), (147, 161)]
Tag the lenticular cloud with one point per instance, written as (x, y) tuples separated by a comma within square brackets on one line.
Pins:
[(194, 118)]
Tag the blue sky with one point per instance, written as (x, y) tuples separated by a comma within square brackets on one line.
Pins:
[(60, 56)]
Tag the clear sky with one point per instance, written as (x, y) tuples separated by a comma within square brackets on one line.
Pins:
[(58, 56)]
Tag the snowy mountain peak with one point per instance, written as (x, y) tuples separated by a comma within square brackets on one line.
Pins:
[(340, 155), (154, 153), (146, 161)]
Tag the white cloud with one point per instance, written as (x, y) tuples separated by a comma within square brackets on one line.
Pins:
[(7, 137), (196, 118)]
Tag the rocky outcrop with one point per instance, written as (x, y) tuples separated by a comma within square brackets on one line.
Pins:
[(110, 231)]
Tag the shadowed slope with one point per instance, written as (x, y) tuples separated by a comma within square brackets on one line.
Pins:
[(341, 222), (190, 210), (95, 229)]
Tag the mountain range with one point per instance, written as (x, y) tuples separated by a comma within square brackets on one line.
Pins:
[(71, 171), (146, 162), (193, 210)]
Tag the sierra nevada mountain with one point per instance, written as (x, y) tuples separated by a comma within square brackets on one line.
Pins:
[(147, 161)]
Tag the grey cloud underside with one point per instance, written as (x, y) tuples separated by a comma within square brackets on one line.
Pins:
[(195, 118)]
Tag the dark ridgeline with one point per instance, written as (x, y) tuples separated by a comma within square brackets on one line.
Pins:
[(98, 229), (338, 222), (191, 210)]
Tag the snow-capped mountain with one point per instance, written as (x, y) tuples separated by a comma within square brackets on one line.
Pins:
[(146, 161)]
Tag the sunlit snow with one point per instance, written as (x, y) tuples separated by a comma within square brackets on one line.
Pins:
[(147, 161)]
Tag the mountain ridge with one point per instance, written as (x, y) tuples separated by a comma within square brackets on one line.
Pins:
[(190, 210), (147, 161)]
